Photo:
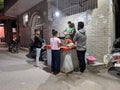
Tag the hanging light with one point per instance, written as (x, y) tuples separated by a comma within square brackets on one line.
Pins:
[(57, 13)]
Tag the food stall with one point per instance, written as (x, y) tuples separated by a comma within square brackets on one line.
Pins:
[(64, 51)]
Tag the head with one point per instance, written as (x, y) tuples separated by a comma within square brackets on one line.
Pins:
[(37, 32), (72, 25), (80, 25), (69, 23), (32, 37), (54, 32)]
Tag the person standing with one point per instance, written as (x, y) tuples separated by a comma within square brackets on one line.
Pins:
[(38, 44), (73, 31), (68, 31), (80, 37), (55, 43)]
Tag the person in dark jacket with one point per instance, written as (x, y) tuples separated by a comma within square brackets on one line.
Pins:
[(38, 44)]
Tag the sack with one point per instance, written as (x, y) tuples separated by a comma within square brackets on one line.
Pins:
[(67, 64), (106, 59)]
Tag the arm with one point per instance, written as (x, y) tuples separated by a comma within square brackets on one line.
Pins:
[(71, 33), (43, 44), (75, 38), (59, 43), (65, 31)]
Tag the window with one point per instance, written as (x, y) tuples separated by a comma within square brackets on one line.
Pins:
[(69, 7)]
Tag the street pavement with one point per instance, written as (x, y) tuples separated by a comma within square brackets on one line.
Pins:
[(17, 72)]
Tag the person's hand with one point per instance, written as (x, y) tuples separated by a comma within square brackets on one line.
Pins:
[(65, 33), (71, 33)]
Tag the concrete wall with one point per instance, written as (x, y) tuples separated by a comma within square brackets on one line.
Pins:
[(54, 21), (98, 30), (111, 24)]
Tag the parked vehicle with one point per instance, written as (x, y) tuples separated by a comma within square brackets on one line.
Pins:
[(32, 52), (13, 47), (114, 63)]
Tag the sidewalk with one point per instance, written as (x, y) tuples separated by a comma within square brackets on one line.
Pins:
[(24, 49)]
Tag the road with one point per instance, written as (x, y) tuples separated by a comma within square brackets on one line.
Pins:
[(17, 72)]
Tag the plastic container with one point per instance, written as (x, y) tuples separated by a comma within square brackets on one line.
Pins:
[(90, 59)]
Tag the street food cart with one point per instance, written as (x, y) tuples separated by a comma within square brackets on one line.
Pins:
[(64, 51)]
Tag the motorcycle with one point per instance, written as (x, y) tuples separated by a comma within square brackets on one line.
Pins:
[(32, 52), (114, 63), (13, 47)]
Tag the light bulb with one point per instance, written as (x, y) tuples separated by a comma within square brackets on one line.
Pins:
[(57, 13)]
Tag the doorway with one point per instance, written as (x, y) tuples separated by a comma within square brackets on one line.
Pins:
[(117, 17), (2, 34)]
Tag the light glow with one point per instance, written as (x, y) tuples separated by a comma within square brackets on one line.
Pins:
[(57, 13)]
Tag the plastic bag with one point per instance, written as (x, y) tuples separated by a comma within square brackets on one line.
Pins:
[(106, 59), (67, 64), (86, 54)]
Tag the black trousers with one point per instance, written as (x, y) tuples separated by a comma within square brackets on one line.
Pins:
[(55, 67), (81, 58)]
